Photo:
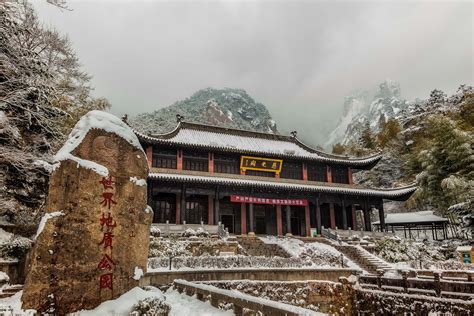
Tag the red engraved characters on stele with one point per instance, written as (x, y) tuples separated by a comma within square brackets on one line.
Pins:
[(107, 200), (107, 182), (105, 281), (106, 263), (107, 240), (108, 222)]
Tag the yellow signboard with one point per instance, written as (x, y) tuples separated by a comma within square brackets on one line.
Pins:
[(261, 164)]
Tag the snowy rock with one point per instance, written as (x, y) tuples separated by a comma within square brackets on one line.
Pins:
[(89, 250)]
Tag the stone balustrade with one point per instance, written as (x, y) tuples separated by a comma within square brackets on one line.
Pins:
[(240, 301)]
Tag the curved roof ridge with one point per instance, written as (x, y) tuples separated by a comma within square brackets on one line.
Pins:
[(242, 132), (392, 194)]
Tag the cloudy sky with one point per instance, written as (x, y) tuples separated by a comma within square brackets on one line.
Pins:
[(299, 58)]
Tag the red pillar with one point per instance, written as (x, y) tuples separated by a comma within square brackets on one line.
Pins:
[(243, 218), (332, 215), (179, 163), (149, 155), (354, 220), (178, 209), (210, 210), (305, 171), (279, 221), (307, 221), (329, 174), (349, 173), (211, 163)]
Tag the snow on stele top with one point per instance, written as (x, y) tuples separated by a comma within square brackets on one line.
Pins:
[(94, 120)]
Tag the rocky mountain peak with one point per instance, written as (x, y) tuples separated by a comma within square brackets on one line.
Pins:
[(226, 107), (365, 106)]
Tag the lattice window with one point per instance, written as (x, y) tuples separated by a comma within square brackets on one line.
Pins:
[(164, 157), (317, 172), (226, 164), (340, 174), (292, 170), (195, 160)]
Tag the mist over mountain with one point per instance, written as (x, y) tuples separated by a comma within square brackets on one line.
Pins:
[(366, 107), (232, 108)]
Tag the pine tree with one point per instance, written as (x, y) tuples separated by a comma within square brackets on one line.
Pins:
[(367, 138), (446, 164), (338, 149), (389, 131)]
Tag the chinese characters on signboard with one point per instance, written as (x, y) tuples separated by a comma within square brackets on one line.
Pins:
[(261, 164), (258, 200)]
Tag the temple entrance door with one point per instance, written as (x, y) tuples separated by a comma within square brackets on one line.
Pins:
[(228, 222), (260, 225), (295, 226), (196, 209)]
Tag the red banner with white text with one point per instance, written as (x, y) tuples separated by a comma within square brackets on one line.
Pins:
[(259, 200)]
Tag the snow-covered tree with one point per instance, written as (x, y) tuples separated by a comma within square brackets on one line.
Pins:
[(43, 92), (445, 164)]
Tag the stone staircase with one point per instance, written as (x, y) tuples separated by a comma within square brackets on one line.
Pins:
[(253, 246), (367, 261), (10, 290)]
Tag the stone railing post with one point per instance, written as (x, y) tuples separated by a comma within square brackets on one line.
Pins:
[(437, 282), (405, 280), (238, 310), (470, 276), (214, 301), (380, 273)]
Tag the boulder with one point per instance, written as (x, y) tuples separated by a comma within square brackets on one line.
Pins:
[(92, 242)]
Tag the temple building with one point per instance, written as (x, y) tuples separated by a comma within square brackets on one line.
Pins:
[(258, 183)]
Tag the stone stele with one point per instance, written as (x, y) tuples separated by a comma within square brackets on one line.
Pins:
[(94, 242)]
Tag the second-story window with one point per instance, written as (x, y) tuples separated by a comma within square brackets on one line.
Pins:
[(292, 170), (340, 174), (226, 163), (317, 172), (195, 160), (164, 157)]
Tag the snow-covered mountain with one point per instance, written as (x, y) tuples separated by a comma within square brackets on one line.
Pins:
[(364, 106), (227, 107)]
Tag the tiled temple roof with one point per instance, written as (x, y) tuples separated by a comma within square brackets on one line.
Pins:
[(401, 193), (252, 143)]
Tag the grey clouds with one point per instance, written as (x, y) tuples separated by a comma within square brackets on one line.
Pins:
[(299, 58)]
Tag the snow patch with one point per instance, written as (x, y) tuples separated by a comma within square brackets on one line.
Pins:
[(4, 236), (43, 164), (138, 273), (148, 209), (44, 219), (94, 120), (87, 164), (140, 182)]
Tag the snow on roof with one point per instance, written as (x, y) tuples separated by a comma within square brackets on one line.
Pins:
[(251, 142), (464, 248), (412, 217), (94, 120), (383, 193)]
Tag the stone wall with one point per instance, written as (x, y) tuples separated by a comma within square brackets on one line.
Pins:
[(374, 302), (253, 246), (162, 278), (334, 298)]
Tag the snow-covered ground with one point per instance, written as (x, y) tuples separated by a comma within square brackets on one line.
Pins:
[(181, 304), (407, 253), (320, 254)]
